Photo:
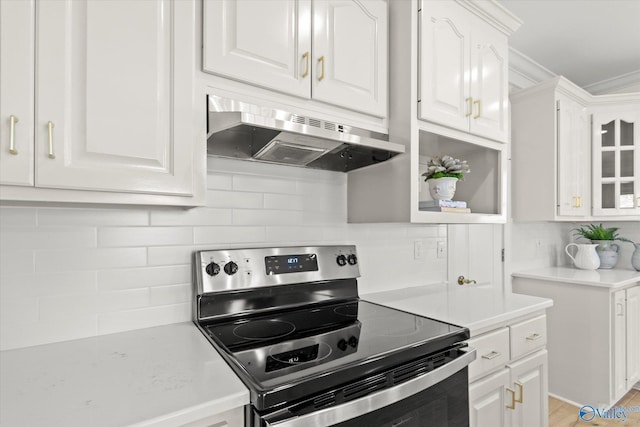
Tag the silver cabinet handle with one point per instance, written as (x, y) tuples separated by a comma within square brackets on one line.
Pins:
[(50, 125), (491, 355), (534, 336), (12, 135)]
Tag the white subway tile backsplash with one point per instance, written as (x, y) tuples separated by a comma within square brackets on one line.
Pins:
[(295, 234), (14, 262), (174, 294), (267, 217), (202, 216), (133, 278), (90, 259), (17, 217), (113, 301), (264, 184), (228, 199), (218, 181), (78, 272), (47, 238), (144, 236), (127, 320), (74, 217), (230, 235)]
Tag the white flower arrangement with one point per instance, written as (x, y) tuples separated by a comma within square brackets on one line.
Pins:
[(446, 166)]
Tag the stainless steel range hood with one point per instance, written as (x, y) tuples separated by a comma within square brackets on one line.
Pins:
[(245, 131)]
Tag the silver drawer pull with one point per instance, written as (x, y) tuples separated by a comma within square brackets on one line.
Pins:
[(534, 337), (491, 355)]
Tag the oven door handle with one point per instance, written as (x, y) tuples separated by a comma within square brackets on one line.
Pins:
[(379, 399)]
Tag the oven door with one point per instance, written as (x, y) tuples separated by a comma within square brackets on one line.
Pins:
[(437, 398)]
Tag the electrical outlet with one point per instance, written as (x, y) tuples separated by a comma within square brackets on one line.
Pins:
[(442, 249)]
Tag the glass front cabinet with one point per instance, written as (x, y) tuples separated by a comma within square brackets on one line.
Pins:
[(616, 163)]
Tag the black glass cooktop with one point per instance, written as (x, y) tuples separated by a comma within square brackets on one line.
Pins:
[(285, 347)]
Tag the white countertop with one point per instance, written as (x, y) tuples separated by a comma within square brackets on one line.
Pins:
[(474, 307), (613, 278), (161, 376)]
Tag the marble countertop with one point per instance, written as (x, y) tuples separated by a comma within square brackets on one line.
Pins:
[(162, 376), (475, 307), (614, 278)]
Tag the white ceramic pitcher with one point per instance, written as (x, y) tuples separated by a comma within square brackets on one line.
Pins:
[(586, 256)]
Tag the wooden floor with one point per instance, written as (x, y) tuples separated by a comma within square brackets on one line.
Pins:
[(562, 414)]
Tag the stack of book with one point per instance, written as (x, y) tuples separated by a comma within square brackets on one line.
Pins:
[(444, 206)]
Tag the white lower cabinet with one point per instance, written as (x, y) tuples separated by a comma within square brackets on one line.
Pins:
[(508, 380), (603, 324)]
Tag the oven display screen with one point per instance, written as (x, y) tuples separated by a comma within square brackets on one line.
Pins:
[(293, 357), (281, 264)]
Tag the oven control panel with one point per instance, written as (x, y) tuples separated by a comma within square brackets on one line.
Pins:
[(222, 270)]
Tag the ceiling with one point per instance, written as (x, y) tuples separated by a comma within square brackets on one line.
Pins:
[(590, 42)]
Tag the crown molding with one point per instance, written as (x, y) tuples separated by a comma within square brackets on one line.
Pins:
[(525, 72), (614, 84)]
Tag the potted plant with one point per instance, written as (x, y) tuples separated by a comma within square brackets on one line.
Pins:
[(604, 237), (442, 175)]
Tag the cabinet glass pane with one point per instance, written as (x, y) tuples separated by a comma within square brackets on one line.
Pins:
[(608, 164), (626, 195), (626, 163), (626, 133), (608, 134), (608, 196)]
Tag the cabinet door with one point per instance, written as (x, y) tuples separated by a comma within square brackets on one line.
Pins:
[(574, 159), (489, 82), (17, 44), (262, 42), (444, 64), (114, 95), (616, 163), (633, 336), (529, 382), (488, 400), (350, 54), (619, 345)]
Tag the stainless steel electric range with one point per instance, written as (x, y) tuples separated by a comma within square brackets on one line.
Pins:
[(290, 323)]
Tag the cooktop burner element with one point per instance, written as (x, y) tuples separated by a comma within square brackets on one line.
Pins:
[(266, 329)]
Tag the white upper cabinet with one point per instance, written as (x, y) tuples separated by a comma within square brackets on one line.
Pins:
[(586, 153), (269, 44), (17, 46), (574, 159), (616, 162), (463, 71), (113, 106)]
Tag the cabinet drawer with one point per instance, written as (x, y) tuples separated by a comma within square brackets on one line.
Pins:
[(492, 350), (528, 336)]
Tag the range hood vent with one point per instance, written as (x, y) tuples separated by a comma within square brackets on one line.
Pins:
[(245, 131)]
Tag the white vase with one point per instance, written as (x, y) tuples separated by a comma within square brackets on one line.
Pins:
[(442, 188), (586, 257)]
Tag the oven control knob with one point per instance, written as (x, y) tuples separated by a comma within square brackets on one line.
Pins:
[(341, 260), (352, 260), (342, 345), (212, 269), (231, 268), (353, 342)]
